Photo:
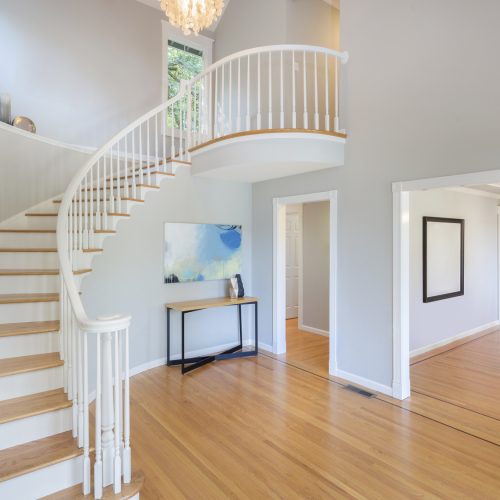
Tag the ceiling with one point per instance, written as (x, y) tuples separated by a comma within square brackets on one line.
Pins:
[(156, 4)]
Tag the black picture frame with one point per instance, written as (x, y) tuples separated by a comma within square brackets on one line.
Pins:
[(427, 298)]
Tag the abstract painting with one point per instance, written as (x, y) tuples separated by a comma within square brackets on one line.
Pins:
[(201, 252)]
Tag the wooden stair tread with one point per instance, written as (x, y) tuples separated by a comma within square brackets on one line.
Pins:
[(24, 364), (128, 490), (41, 214), (27, 298), (36, 231), (27, 250), (38, 454), (32, 327), (123, 198), (34, 404), (29, 272)]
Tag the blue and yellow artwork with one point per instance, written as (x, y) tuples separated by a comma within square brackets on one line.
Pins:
[(201, 252)]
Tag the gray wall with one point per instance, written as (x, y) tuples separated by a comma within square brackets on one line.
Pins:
[(128, 276), (436, 321), (316, 264), (414, 106), (81, 70)]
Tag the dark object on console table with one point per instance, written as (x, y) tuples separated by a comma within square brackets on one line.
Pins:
[(241, 290)]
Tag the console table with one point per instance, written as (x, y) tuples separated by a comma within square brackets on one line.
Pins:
[(184, 308)]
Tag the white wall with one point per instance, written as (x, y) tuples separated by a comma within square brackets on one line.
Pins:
[(81, 70), (32, 170), (316, 265), (434, 322), (128, 276)]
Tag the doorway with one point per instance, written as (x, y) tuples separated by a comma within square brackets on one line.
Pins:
[(304, 279)]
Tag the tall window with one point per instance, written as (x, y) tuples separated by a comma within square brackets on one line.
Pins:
[(184, 63), (184, 58)]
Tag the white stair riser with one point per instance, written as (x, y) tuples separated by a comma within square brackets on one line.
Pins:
[(25, 384), (35, 427), (35, 311), (29, 284), (43, 482), (28, 240), (40, 222), (26, 345), (28, 260)]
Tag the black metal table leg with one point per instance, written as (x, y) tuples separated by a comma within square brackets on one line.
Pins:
[(183, 354), (256, 329), (241, 330), (168, 336)]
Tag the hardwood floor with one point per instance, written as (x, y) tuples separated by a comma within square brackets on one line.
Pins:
[(261, 428), (305, 350)]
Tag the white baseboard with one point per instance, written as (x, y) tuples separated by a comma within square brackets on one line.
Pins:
[(449, 340), (266, 347), (311, 329), (364, 382)]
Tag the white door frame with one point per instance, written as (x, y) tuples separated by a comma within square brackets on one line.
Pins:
[(401, 265), (279, 278)]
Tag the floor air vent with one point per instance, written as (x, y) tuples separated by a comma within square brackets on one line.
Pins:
[(359, 391)]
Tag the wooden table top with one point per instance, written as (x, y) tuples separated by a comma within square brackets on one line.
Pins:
[(196, 305)]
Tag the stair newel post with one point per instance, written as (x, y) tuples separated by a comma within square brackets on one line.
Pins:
[(230, 99), (238, 118), (189, 119), (181, 120), (327, 94), (201, 104), (117, 461), (148, 138), (107, 409), (127, 461), (68, 362), (216, 104), (98, 403), (210, 118), (157, 165), (141, 172), (164, 130), (86, 447), (222, 128)]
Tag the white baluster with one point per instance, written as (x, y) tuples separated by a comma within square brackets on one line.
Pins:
[(189, 120), (98, 477), (282, 94), (86, 423), (172, 133), (78, 341), (118, 201), (117, 396), (112, 184), (216, 107), (327, 95), (141, 171), (75, 365), (259, 115), (336, 119), (91, 211), (230, 106), (294, 104), (181, 124), (157, 164), (104, 193), (107, 410), (248, 93), (210, 115), (316, 110), (270, 92), (238, 119), (134, 183), (127, 462), (223, 101), (306, 116), (148, 152), (86, 214)]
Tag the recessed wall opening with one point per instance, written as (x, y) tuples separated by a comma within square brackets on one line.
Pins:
[(446, 290), (304, 281)]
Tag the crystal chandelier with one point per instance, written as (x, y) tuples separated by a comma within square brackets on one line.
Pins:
[(192, 16)]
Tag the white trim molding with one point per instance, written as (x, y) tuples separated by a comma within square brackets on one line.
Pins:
[(493, 325), (401, 264), (312, 329), (279, 280), (364, 382)]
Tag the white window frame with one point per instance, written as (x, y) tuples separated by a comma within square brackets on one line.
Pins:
[(199, 42)]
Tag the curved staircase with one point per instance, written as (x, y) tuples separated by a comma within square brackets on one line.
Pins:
[(51, 443)]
